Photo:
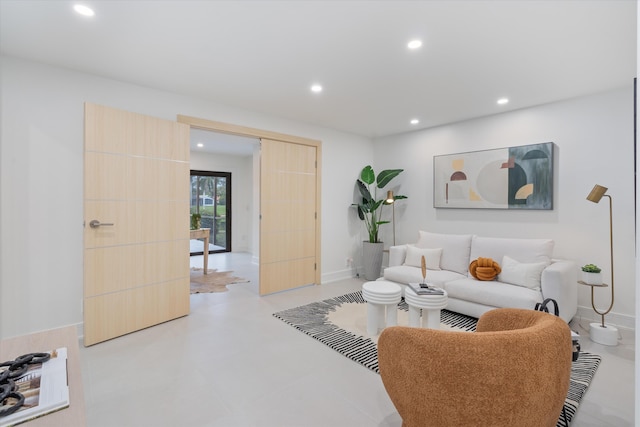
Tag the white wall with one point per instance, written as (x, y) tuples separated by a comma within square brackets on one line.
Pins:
[(243, 208), (41, 183), (594, 144)]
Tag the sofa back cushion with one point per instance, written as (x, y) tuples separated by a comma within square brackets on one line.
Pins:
[(521, 250), (455, 249), (431, 256)]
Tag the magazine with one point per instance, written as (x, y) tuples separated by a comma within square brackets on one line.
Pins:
[(428, 290), (45, 388)]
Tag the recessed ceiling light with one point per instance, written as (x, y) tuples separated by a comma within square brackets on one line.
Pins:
[(200, 144), (414, 44), (83, 10), (414, 121), (316, 88), (503, 101)]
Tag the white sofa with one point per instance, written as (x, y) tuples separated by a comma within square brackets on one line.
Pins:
[(529, 273)]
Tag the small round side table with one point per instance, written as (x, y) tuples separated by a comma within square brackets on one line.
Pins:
[(430, 305), (382, 298), (600, 332)]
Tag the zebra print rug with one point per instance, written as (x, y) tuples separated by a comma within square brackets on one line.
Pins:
[(313, 320)]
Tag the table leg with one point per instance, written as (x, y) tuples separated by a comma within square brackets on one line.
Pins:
[(374, 312), (414, 316), (392, 315), (431, 319), (206, 253)]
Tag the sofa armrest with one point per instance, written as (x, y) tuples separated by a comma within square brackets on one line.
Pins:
[(560, 282), (397, 255)]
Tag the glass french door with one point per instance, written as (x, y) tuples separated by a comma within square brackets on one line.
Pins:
[(211, 198)]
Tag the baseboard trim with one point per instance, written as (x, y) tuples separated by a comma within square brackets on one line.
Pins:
[(336, 276), (616, 319)]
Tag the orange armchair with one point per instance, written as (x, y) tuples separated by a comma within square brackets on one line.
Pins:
[(513, 371)]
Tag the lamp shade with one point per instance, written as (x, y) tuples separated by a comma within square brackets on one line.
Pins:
[(390, 198), (597, 193)]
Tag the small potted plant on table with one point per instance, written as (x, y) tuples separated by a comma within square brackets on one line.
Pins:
[(591, 274)]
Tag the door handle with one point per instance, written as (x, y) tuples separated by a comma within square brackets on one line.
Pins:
[(95, 223)]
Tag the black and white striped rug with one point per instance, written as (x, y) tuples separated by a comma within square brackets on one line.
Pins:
[(314, 320)]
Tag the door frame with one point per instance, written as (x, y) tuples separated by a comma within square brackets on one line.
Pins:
[(233, 129)]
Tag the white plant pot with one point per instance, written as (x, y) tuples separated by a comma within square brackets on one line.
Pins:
[(372, 259), (592, 278)]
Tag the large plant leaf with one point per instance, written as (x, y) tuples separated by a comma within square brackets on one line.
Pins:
[(367, 175), (364, 190), (373, 205), (386, 176)]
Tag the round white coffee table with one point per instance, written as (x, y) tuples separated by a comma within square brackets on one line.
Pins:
[(430, 305), (382, 299)]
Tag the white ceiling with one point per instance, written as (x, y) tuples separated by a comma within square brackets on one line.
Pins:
[(264, 55)]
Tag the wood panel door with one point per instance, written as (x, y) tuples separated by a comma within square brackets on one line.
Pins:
[(288, 215), (136, 185)]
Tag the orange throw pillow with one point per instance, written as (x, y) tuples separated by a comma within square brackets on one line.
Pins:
[(484, 269)]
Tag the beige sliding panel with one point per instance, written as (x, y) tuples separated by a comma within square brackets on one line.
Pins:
[(288, 215), (136, 222)]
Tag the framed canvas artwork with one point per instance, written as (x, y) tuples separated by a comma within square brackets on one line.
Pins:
[(504, 178)]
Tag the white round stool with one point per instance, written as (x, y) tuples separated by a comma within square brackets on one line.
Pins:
[(382, 298), (430, 306)]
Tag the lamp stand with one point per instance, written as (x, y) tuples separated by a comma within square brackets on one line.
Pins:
[(605, 335), (600, 332), (391, 200), (393, 219)]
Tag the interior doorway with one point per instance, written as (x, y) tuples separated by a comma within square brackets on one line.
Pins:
[(211, 198), (279, 246)]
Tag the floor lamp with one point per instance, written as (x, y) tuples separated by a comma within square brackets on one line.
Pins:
[(391, 201), (600, 332)]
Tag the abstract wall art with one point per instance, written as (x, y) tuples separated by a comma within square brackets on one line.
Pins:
[(505, 178)]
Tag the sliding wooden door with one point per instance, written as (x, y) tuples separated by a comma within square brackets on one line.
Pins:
[(288, 215), (136, 231)]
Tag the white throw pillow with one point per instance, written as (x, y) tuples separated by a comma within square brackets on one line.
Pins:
[(431, 256), (455, 249), (517, 273)]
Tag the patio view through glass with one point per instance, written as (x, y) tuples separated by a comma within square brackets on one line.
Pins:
[(211, 198)]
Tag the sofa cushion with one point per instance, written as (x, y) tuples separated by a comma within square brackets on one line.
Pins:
[(523, 250), (521, 273), (431, 256), (455, 249), (493, 294), (405, 275)]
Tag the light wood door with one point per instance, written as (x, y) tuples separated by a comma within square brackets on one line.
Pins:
[(136, 177), (288, 215)]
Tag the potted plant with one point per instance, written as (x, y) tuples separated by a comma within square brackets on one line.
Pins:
[(591, 274), (195, 221), (369, 211)]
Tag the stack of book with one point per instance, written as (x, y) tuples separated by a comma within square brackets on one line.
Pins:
[(44, 387), (425, 289)]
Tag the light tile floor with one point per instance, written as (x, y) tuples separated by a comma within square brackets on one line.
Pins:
[(231, 363)]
